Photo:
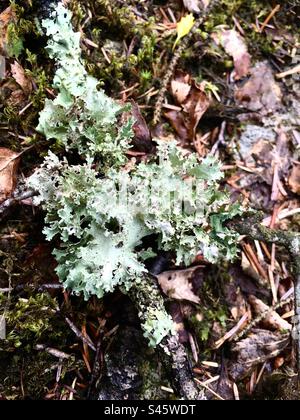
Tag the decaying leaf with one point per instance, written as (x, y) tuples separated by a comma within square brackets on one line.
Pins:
[(20, 77), (176, 311), (195, 107), (192, 5), (195, 6), (294, 179), (178, 122), (273, 320), (142, 140), (9, 163), (235, 300), (260, 346), (234, 45), (194, 102), (178, 284), (180, 88), (260, 93)]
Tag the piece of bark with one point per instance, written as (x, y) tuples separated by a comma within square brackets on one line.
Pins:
[(257, 348)]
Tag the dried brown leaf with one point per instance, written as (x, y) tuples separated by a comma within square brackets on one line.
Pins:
[(260, 93), (235, 300), (195, 107), (194, 102), (180, 90), (178, 284), (9, 163), (235, 46), (178, 123), (175, 310), (21, 78), (6, 17)]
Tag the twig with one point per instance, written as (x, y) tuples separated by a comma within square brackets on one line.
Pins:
[(85, 338), (271, 15), (288, 72), (53, 352), (15, 199), (209, 389), (232, 332), (97, 366)]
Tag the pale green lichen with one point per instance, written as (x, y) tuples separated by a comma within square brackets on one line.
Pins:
[(158, 325), (81, 117), (102, 221)]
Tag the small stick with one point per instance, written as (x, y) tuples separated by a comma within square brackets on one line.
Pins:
[(271, 15), (289, 72), (86, 339), (14, 199)]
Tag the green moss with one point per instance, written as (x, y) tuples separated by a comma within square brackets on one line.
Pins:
[(15, 41), (111, 25), (152, 379), (203, 326), (27, 321), (212, 308), (30, 376)]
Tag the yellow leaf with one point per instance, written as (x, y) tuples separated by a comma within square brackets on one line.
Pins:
[(184, 27)]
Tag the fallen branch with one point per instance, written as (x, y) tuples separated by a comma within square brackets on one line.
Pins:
[(146, 294)]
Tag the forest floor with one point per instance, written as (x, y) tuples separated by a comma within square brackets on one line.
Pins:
[(234, 94)]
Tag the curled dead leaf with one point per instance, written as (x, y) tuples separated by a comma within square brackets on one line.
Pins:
[(178, 123), (235, 46), (9, 163), (178, 284), (195, 107), (194, 102), (21, 78)]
